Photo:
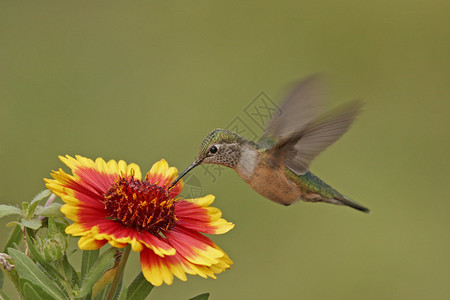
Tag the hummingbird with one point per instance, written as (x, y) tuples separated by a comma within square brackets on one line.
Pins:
[(277, 165)]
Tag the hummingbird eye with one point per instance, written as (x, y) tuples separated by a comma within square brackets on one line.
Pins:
[(213, 150)]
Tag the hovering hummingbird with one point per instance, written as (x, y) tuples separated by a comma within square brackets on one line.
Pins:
[(277, 166)]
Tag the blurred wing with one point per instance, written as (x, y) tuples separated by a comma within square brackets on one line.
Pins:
[(299, 108), (299, 149)]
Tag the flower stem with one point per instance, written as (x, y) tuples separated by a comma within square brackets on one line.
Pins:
[(50, 200), (118, 276)]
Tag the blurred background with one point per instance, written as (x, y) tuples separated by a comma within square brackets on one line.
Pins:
[(144, 81)]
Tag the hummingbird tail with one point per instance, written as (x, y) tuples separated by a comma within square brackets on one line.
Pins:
[(348, 202)]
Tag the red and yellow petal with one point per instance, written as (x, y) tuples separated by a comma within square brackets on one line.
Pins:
[(99, 174), (88, 184), (162, 175), (71, 211), (116, 234), (78, 196), (196, 214), (108, 231), (111, 167), (72, 185), (193, 246), (86, 213), (76, 229), (158, 269), (88, 242), (89, 177)]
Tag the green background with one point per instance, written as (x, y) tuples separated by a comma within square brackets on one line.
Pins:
[(143, 81)]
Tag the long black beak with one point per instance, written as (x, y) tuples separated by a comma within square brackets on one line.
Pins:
[(193, 165)]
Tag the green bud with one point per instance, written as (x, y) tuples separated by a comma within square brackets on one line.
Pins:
[(53, 245)]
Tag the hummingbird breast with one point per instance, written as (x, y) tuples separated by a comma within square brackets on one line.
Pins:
[(273, 184), (269, 180)]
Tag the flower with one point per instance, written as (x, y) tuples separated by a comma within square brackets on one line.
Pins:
[(109, 203)]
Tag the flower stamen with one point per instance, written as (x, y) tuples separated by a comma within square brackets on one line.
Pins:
[(140, 205)]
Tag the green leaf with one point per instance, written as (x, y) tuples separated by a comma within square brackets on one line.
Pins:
[(123, 294), (88, 259), (33, 224), (38, 198), (52, 229), (25, 206), (71, 274), (34, 252), (3, 295), (102, 295), (139, 288), (104, 280), (119, 288), (34, 203), (41, 195), (53, 210), (29, 271), (32, 291), (13, 277), (204, 296), (9, 210), (14, 238), (105, 261)]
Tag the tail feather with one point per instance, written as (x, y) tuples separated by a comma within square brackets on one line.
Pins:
[(348, 202)]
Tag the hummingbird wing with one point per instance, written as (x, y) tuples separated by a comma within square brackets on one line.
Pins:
[(300, 148), (299, 108)]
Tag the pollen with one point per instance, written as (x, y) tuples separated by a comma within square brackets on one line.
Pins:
[(140, 205)]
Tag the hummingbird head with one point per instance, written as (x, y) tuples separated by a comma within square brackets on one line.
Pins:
[(220, 146)]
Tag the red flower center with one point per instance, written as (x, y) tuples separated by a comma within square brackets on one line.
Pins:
[(140, 205)]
